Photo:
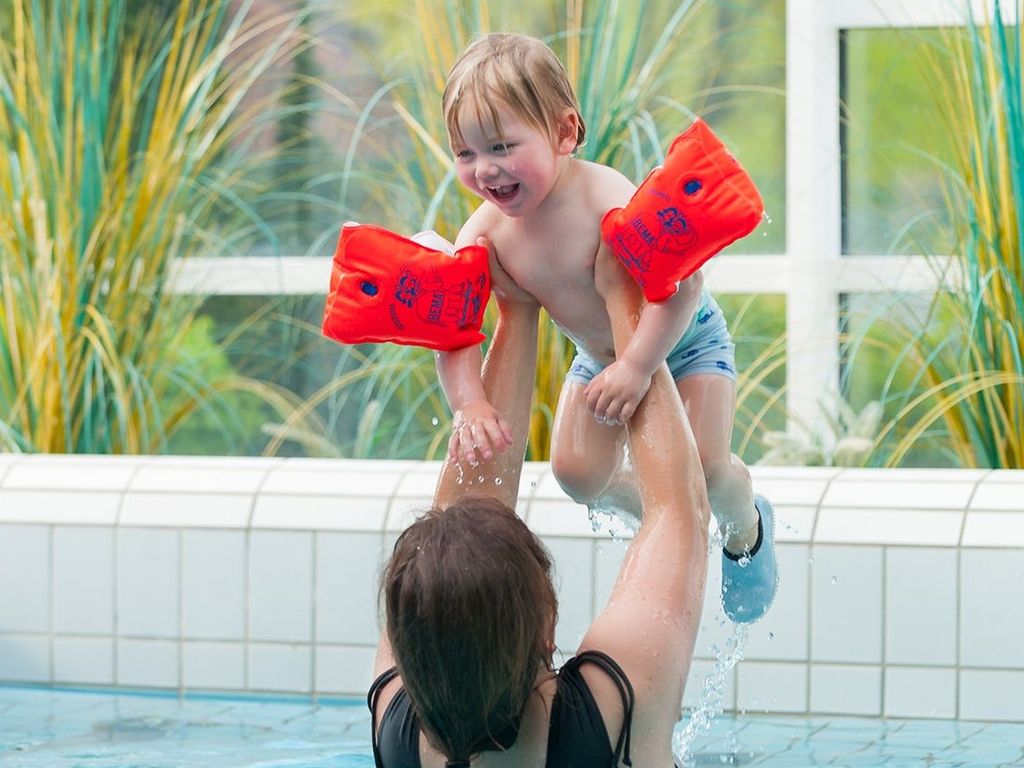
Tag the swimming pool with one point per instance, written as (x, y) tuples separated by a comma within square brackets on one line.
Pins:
[(47, 728)]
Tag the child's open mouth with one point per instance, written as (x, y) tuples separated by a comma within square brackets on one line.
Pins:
[(504, 193)]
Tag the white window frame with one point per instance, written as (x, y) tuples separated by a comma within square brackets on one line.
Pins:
[(812, 273)]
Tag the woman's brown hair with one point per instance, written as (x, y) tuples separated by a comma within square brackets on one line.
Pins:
[(470, 612)]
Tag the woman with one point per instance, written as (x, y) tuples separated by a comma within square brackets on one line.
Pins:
[(464, 666)]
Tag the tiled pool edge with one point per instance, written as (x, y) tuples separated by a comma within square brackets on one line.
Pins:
[(902, 591)]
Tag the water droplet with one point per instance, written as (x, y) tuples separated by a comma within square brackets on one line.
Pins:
[(771, 635), (835, 579), (810, 560), (744, 561), (480, 479), (435, 421)]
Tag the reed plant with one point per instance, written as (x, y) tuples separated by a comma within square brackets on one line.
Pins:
[(121, 152), (956, 383), (618, 57)]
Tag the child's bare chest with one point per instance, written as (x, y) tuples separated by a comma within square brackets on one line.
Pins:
[(559, 274)]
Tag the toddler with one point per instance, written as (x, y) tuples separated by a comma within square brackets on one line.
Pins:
[(514, 126)]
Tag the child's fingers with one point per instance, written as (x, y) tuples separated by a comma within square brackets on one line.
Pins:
[(506, 431), (495, 435)]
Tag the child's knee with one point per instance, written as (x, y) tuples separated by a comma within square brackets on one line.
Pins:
[(577, 479), (725, 473)]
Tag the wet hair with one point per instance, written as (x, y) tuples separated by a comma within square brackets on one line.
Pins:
[(470, 612), (516, 71)]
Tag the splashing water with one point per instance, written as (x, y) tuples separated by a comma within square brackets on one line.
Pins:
[(709, 705)]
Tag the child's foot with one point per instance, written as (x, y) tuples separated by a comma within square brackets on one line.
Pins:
[(749, 580)]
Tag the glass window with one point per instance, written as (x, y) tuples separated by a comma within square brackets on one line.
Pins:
[(894, 142)]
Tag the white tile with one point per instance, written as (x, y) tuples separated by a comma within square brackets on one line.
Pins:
[(574, 568), (1004, 476), (991, 694), (888, 492), (79, 473), (347, 567), (83, 580), (561, 518), (320, 513), (24, 579), (284, 668), (24, 659), (342, 480), (846, 604), (920, 476), (763, 686), (344, 671), (999, 497), (794, 523), (213, 666), (709, 684), (147, 582), (993, 529), (187, 510), (83, 660), (761, 473), (213, 584), (846, 690), (921, 597), (281, 586), (920, 692), (608, 557), (845, 525), (421, 484), (795, 491), (992, 608), (201, 476), (782, 634), (71, 507), (147, 663)]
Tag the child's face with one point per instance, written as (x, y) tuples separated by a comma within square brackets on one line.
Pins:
[(515, 170)]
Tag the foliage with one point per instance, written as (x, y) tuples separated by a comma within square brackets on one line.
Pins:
[(958, 370), (120, 152)]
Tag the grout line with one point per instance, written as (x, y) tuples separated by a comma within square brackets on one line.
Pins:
[(884, 627), (51, 611), (181, 612), (314, 644)]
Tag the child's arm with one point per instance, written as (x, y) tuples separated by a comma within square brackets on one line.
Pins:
[(478, 427), (615, 393)]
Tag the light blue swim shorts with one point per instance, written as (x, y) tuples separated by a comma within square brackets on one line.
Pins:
[(705, 347)]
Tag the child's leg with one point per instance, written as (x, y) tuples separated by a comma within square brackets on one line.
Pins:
[(586, 456), (710, 402)]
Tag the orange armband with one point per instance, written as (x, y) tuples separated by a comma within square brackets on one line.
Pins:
[(385, 287), (686, 211)]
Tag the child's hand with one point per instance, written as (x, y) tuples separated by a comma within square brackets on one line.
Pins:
[(614, 394), (477, 431)]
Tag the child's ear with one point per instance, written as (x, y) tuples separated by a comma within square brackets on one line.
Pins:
[(568, 130)]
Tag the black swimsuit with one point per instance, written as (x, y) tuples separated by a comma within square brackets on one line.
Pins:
[(577, 736)]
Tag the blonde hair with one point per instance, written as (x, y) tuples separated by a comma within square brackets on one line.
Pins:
[(516, 71)]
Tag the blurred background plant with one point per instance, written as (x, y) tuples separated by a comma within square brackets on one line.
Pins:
[(953, 389), (126, 143)]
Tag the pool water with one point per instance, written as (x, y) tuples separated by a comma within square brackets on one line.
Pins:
[(43, 728)]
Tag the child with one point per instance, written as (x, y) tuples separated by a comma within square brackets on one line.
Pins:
[(514, 125)]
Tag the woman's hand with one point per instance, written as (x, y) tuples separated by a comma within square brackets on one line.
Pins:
[(478, 430)]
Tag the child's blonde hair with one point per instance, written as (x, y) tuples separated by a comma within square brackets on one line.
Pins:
[(516, 71)]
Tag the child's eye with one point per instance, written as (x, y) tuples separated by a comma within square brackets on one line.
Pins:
[(501, 148), (463, 154)]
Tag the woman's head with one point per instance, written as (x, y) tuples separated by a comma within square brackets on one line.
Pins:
[(470, 613), (515, 71)]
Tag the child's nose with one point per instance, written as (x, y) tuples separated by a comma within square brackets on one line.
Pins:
[(486, 169)]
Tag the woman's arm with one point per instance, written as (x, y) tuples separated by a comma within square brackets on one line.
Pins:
[(650, 623)]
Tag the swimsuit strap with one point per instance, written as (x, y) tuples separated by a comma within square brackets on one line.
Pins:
[(618, 676), (371, 701)]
